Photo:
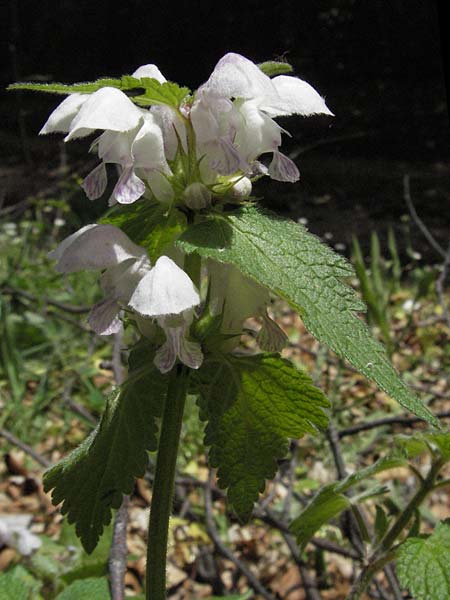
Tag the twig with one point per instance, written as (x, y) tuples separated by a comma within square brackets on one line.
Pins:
[(407, 421), (349, 520), (221, 547), (12, 439), (418, 221), (61, 305), (117, 562), (440, 283), (118, 554)]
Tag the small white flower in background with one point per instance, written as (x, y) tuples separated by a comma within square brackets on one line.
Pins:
[(14, 532), (235, 108), (163, 292)]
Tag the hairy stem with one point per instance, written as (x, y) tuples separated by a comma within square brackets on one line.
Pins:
[(163, 485)]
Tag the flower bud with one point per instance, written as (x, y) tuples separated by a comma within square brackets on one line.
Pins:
[(197, 196), (242, 188)]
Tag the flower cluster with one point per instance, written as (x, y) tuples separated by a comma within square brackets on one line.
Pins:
[(203, 152)]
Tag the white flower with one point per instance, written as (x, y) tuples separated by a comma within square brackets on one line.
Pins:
[(237, 297), (81, 114), (132, 139), (104, 247), (233, 115), (163, 292), (141, 150), (15, 534)]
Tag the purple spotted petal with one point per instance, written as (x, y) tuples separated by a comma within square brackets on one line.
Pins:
[(282, 168), (129, 188), (95, 183), (104, 317)]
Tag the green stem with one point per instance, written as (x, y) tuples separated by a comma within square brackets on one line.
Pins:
[(383, 554), (163, 485)]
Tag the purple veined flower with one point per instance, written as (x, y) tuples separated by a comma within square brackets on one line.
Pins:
[(141, 157), (248, 126), (163, 292), (132, 139)]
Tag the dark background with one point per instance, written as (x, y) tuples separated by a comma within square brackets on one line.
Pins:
[(377, 62)]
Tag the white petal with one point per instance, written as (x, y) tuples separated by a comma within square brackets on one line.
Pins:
[(95, 183), (166, 356), (160, 187), (129, 187), (166, 290), (190, 354), (148, 146), (171, 125), (95, 247), (258, 132), (228, 159), (177, 346), (237, 77), (68, 241), (282, 168), (149, 71), (63, 115), (104, 317), (296, 97), (107, 108), (242, 188)]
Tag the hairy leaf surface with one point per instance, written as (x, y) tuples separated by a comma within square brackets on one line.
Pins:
[(92, 479), (145, 92), (423, 565), (253, 405), (149, 224), (293, 263)]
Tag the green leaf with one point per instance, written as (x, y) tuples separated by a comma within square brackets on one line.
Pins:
[(293, 263), (149, 224), (273, 67), (93, 588), (423, 565), (330, 501), (19, 584), (93, 478), (145, 92), (253, 405)]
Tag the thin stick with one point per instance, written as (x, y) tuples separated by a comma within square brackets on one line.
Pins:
[(220, 546), (12, 439), (418, 221), (440, 283), (117, 562), (407, 421)]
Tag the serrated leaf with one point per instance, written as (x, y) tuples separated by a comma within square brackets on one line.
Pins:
[(19, 584), (293, 263), (94, 588), (253, 405), (148, 224), (145, 92), (331, 500), (274, 67), (423, 565), (92, 479)]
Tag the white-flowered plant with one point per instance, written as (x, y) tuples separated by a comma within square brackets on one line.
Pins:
[(187, 257)]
